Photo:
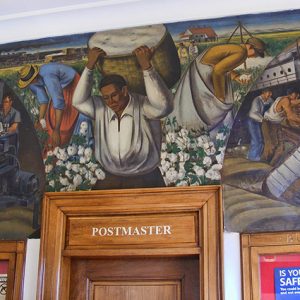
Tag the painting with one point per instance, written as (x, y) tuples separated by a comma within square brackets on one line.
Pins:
[(199, 102)]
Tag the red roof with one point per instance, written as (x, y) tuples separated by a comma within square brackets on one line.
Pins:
[(203, 30)]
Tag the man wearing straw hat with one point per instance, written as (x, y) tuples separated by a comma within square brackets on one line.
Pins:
[(204, 96), (54, 85), (127, 125)]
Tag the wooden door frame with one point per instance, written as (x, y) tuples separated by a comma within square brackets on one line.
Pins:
[(253, 245), (14, 253), (55, 255)]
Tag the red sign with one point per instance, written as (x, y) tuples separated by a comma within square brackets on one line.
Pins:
[(267, 264)]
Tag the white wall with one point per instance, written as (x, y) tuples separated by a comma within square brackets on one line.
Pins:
[(24, 20), (31, 269)]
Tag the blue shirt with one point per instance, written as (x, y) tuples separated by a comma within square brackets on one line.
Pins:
[(53, 78), (12, 117)]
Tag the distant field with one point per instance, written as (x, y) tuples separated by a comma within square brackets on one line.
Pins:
[(276, 41), (266, 35)]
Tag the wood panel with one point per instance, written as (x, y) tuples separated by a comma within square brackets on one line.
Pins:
[(195, 213), (134, 230), (13, 252), (136, 290), (129, 272)]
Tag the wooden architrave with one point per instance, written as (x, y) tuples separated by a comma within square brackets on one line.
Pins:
[(254, 245), (60, 208), (14, 253)]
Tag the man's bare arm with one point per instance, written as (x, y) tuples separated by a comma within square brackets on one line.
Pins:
[(291, 116), (13, 127)]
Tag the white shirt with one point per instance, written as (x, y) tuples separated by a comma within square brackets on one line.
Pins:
[(272, 115), (135, 148)]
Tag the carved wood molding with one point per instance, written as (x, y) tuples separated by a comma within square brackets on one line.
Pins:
[(67, 231)]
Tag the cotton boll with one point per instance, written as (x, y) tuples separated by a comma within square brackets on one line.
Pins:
[(89, 175), (203, 139), (209, 148), (77, 180), (93, 181), (60, 163), (69, 174), (83, 131), (213, 174), (184, 132), (82, 160), (75, 168), (72, 150), (172, 157), (172, 175), (171, 137), (207, 161), (51, 183), (217, 167), (165, 165), (245, 77), (62, 154), (163, 146), (94, 167), (56, 151), (80, 150), (84, 125), (68, 165), (82, 170), (198, 170), (71, 188), (181, 166), (83, 128), (181, 174), (183, 156), (64, 181), (88, 152), (220, 136), (163, 155), (99, 174)]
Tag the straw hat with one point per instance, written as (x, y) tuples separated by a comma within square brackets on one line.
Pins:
[(27, 75), (258, 45)]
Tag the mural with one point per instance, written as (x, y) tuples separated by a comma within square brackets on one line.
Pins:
[(152, 106)]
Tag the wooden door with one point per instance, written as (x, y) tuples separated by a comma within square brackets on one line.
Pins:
[(144, 244), (135, 279)]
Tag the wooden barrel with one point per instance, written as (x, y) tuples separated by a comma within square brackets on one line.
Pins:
[(120, 60)]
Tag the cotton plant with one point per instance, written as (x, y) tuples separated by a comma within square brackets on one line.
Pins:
[(190, 157), (73, 167)]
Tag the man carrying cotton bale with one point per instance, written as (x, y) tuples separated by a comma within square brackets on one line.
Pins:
[(127, 125)]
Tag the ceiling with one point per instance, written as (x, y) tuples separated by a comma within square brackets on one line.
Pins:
[(31, 19)]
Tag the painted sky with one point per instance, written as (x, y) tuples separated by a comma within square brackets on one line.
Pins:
[(280, 21), (266, 22)]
